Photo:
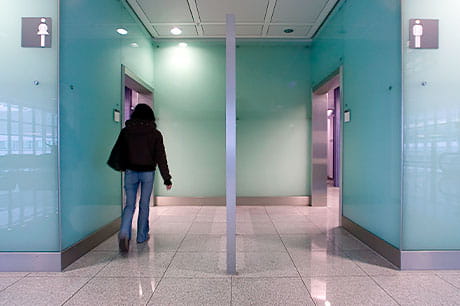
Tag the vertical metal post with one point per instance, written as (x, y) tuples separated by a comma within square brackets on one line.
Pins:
[(230, 134)]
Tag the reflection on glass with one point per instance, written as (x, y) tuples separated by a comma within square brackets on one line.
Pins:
[(28, 145)]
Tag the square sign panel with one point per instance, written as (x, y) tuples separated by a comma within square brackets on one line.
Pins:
[(36, 32), (424, 34)]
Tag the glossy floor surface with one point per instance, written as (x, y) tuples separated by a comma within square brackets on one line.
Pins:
[(285, 256)]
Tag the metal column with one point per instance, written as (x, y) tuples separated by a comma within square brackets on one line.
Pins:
[(230, 134)]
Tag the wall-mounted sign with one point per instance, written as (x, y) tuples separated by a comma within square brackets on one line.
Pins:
[(424, 34), (36, 32)]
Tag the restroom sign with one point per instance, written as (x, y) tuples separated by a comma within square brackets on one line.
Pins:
[(424, 33), (36, 32)]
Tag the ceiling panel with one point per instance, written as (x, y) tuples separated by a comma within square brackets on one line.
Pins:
[(297, 11), (164, 30), (244, 10), (278, 30), (161, 11), (241, 30)]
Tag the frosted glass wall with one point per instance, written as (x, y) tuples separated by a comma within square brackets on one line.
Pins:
[(29, 219), (431, 209), (272, 126), (92, 53), (364, 37)]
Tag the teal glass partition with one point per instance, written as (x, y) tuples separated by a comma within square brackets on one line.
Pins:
[(431, 206), (190, 109), (273, 119), (363, 37), (272, 126), (29, 220), (92, 54)]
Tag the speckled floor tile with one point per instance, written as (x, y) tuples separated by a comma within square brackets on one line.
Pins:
[(265, 264), (41, 291), (289, 218), (169, 228), (198, 264), (115, 291), (324, 263), (306, 227), (203, 243), (259, 243), (137, 265), (419, 289), (192, 291), (255, 228), (86, 266), (271, 291), (316, 241), (282, 210), (159, 242), (453, 277), (208, 228), (7, 281), (347, 291), (372, 263)]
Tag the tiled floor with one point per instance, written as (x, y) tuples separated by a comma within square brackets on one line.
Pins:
[(285, 256)]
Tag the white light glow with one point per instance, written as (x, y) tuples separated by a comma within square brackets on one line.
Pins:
[(134, 45), (183, 45), (122, 31), (176, 31)]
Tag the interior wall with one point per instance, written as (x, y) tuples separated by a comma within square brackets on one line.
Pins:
[(432, 132), (364, 38), (273, 120), (273, 100), (91, 56), (28, 133)]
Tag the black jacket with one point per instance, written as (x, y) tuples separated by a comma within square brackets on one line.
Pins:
[(139, 147)]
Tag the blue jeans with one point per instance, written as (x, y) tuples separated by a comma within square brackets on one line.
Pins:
[(132, 181)]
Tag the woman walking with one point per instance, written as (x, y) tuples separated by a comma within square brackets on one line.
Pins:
[(138, 150)]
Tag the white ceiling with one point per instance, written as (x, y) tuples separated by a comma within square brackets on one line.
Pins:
[(254, 18)]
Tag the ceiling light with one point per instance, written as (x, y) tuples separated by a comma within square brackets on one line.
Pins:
[(176, 31), (122, 31), (134, 45), (183, 45), (288, 31)]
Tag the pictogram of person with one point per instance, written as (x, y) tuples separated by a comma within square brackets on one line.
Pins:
[(42, 32), (417, 31)]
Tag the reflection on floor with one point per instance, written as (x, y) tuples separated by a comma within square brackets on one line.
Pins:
[(286, 256)]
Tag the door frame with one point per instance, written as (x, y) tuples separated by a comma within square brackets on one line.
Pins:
[(321, 88), (133, 81)]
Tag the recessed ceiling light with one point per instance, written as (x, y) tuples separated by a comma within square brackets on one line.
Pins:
[(176, 31), (122, 31), (288, 31)]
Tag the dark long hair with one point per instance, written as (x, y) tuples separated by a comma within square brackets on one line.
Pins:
[(143, 112)]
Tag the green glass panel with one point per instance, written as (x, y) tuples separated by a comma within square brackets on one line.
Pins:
[(92, 53), (190, 107), (431, 207), (29, 219), (364, 37), (273, 119)]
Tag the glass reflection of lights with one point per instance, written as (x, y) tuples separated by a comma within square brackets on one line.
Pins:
[(183, 45)]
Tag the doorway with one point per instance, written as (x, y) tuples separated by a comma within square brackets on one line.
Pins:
[(327, 142), (134, 91)]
